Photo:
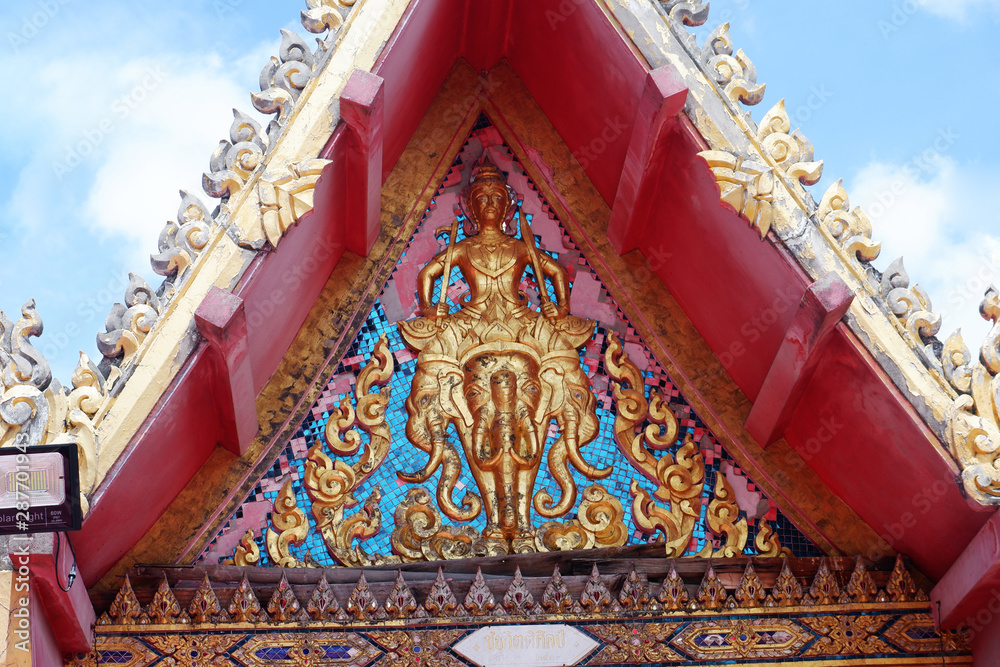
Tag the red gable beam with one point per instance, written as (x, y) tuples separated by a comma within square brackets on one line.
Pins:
[(662, 99), (222, 320), (822, 306), (361, 110)]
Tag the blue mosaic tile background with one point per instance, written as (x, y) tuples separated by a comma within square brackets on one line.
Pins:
[(403, 456)]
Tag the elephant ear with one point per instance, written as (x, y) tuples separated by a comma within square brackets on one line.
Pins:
[(553, 393), (452, 399)]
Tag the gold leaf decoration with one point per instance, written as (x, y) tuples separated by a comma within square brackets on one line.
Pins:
[(824, 589), (164, 608), (283, 605), (290, 527), (244, 607), (205, 607), (556, 597), (673, 594), (711, 593)]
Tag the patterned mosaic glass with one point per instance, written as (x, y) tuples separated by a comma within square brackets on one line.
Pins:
[(397, 302)]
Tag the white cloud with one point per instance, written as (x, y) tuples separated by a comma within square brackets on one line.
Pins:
[(148, 109), (937, 215), (959, 10)]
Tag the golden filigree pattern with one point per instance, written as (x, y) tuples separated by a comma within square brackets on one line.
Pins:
[(556, 597), (205, 606), (767, 542), (125, 610), (825, 589), (712, 593), (634, 595), (596, 597), (283, 605), (164, 609), (415, 648), (900, 587), (323, 604), (787, 591), (286, 196), (791, 150), (629, 644), (751, 591), (245, 607), (724, 522), (330, 483), (849, 229), (441, 600), (400, 602), (860, 587), (479, 601), (745, 186), (290, 527), (847, 635), (973, 431), (518, 600), (247, 551), (673, 594), (362, 605), (735, 639)]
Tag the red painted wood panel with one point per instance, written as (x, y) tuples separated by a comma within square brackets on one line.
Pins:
[(865, 442), (280, 288), (173, 443), (420, 55), (583, 76)]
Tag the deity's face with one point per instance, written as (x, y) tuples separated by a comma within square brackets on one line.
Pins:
[(488, 204)]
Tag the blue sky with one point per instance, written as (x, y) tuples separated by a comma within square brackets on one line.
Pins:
[(114, 106)]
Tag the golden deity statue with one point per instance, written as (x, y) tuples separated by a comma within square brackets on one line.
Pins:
[(498, 372)]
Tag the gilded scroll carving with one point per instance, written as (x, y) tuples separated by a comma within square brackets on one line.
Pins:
[(287, 195), (182, 241), (282, 81), (128, 324), (849, 229), (686, 12), (290, 526), (234, 159), (913, 310), (734, 73), (791, 150), (746, 186), (973, 432), (35, 409)]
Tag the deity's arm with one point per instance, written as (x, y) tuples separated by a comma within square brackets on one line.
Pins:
[(557, 273), (425, 282)]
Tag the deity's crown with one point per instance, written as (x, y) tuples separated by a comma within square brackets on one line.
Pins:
[(487, 173)]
